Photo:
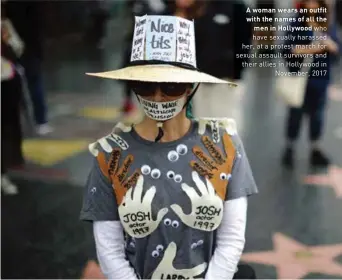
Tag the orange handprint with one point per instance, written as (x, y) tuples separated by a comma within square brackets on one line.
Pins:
[(218, 167), (117, 175)]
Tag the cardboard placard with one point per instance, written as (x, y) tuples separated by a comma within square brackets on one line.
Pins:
[(164, 38), (161, 38), (186, 42), (138, 44)]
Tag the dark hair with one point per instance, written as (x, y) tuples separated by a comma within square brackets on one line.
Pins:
[(196, 10), (3, 10), (322, 4)]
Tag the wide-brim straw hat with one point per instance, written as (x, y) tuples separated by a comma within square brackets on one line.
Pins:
[(147, 66), (160, 73)]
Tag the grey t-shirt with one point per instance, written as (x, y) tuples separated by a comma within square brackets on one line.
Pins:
[(170, 227)]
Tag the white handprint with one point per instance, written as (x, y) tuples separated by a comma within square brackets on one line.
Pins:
[(207, 209), (136, 213), (226, 123), (104, 141), (165, 269)]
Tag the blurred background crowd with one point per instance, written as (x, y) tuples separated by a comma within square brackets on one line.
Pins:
[(51, 111)]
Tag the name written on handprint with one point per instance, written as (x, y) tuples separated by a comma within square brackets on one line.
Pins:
[(209, 163), (173, 276), (206, 208), (213, 150), (137, 221), (126, 166), (118, 175), (216, 166), (205, 214), (136, 211)]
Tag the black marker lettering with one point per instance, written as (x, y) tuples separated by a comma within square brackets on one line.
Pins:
[(137, 217), (160, 43), (169, 105), (162, 27)]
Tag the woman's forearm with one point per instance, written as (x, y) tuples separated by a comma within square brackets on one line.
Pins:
[(230, 240), (110, 250)]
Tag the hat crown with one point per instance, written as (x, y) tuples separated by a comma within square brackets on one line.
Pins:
[(168, 39)]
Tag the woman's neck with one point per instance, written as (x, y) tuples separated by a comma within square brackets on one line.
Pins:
[(173, 129)]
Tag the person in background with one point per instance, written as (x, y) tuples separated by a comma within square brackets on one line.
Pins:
[(99, 15), (26, 17), (11, 94), (315, 100), (221, 31)]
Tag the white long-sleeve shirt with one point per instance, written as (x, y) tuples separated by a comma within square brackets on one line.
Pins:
[(230, 242)]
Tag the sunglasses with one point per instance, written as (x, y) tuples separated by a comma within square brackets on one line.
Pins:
[(150, 88)]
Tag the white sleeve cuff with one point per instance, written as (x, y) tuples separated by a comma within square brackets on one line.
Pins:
[(110, 250), (230, 240)]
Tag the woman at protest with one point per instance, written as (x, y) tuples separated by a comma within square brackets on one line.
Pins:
[(311, 43), (168, 196)]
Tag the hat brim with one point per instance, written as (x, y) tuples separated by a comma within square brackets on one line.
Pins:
[(162, 74)]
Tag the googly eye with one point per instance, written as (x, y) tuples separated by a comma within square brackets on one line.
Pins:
[(160, 248), (170, 174), (178, 178), (223, 176), (182, 149), (193, 246), (155, 173), (172, 156), (229, 176), (167, 222), (145, 169), (199, 242), (175, 224), (155, 254)]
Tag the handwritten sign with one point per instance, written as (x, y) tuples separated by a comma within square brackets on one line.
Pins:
[(138, 45), (161, 38), (161, 110), (206, 217), (165, 38), (137, 222), (186, 42)]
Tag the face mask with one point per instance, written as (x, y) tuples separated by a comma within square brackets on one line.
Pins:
[(162, 111)]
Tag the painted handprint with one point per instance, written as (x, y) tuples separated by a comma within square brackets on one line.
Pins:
[(207, 208), (165, 269), (104, 142), (217, 167), (117, 175), (135, 211), (228, 124)]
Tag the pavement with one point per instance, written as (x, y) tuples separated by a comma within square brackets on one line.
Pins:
[(294, 223)]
